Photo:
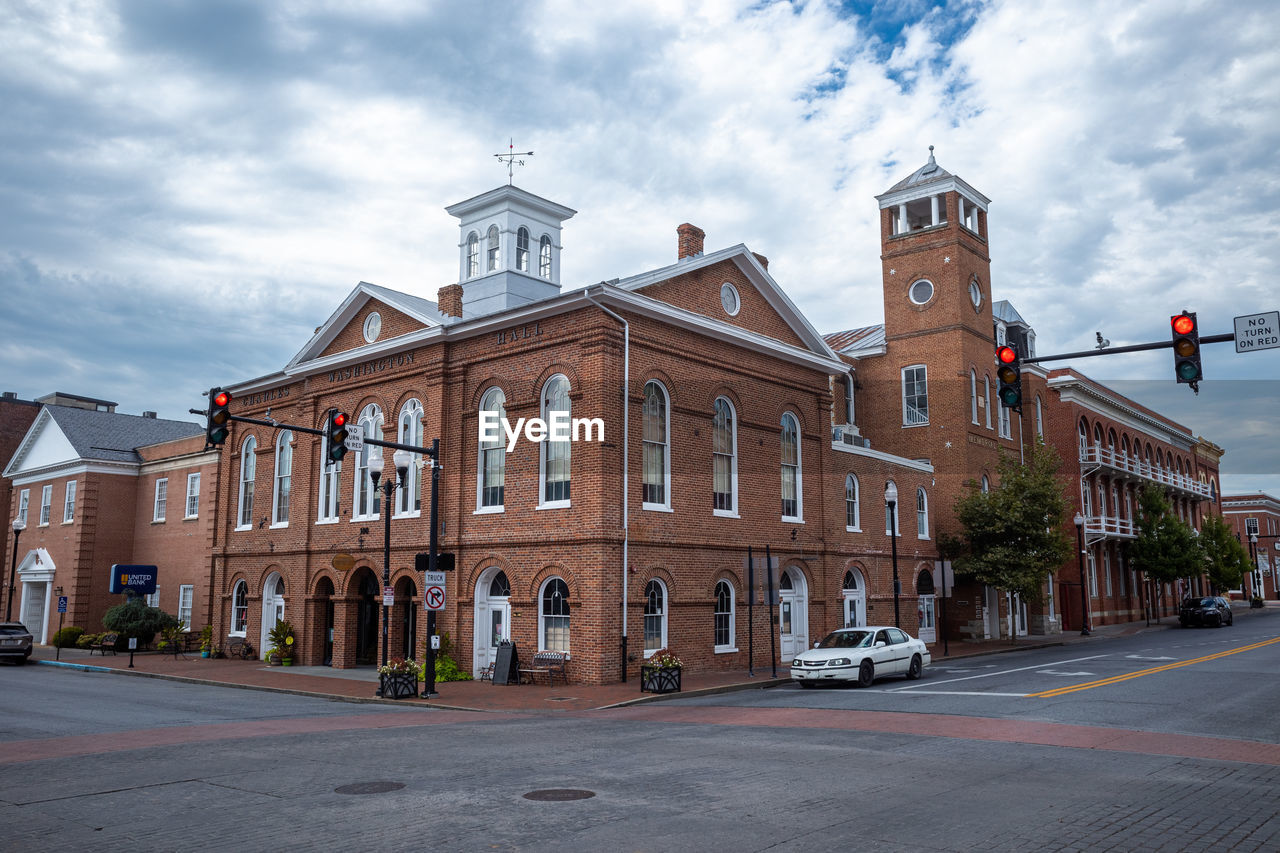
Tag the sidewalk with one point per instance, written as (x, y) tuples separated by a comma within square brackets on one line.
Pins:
[(358, 685)]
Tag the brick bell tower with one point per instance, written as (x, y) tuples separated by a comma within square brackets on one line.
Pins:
[(936, 271)]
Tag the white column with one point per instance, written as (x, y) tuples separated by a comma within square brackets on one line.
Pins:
[(903, 228), (960, 202), (933, 209)]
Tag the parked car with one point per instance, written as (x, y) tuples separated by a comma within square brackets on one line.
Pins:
[(15, 642), (1205, 611), (861, 655)]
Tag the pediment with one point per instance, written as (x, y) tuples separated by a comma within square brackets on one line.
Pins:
[(399, 314), (44, 446)]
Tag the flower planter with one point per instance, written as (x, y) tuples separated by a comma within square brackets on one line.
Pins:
[(399, 685), (660, 679)]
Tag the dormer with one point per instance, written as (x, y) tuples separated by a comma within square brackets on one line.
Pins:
[(919, 202), (509, 251)]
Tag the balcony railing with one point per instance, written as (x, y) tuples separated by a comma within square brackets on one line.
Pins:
[(1098, 527), (1101, 457)]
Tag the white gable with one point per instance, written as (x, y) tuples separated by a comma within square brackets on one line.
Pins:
[(45, 445)]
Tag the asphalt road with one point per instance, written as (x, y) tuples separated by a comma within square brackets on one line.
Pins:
[(104, 762)]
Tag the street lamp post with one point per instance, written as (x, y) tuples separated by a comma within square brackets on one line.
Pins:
[(18, 526), (891, 498), (1084, 593), (401, 459)]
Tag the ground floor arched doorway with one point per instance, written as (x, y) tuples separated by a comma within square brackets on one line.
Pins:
[(492, 616), (324, 609), (367, 595), (793, 612), (407, 617)]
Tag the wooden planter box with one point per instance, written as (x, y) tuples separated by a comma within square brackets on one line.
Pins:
[(660, 679), (399, 685)]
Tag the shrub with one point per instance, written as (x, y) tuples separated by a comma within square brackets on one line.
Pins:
[(447, 669), (282, 639), (135, 619), (67, 637), (87, 640)]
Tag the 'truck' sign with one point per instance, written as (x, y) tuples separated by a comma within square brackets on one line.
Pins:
[(1258, 331)]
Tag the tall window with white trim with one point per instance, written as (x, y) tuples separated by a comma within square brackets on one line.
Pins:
[(986, 399), (790, 467), (724, 456), (915, 395), (284, 479), (852, 520), (193, 495), (186, 595), (473, 255), (922, 514), (522, 249), (328, 485), (555, 454), (248, 473), (973, 396), (24, 501), (493, 455), (240, 609), (368, 500), (554, 613), (657, 460), (491, 251), (724, 621), (1005, 431), (655, 617), (162, 499), (46, 502), (409, 431), (69, 503), (544, 257)]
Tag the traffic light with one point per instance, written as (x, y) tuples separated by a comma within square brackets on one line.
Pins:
[(1186, 348), (1009, 374), (218, 420), (335, 431)]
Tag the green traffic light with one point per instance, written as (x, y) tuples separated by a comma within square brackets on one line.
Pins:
[(1188, 371), (1010, 397)]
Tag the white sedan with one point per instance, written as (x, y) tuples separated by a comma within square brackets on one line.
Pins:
[(861, 655)]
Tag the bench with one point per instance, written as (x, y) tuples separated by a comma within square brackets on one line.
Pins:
[(238, 647), (106, 644), (545, 663)]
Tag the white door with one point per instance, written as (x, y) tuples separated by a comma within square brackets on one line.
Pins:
[(272, 610), (855, 608), (793, 616), (925, 610), (33, 603), (493, 617)]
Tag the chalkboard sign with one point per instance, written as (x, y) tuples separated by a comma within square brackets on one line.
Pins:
[(506, 668)]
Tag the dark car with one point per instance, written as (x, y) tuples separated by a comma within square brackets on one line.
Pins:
[(15, 642), (1207, 611)]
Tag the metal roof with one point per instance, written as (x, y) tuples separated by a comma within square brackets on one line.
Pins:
[(927, 173), (1004, 311), (113, 437), (861, 338)]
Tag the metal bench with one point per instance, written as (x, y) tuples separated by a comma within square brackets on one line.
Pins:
[(239, 647), (545, 663), (104, 645)]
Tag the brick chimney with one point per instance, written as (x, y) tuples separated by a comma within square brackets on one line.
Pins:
[(449, 300), (690, 241), (764, 262)]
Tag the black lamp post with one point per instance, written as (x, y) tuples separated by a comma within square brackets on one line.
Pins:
[(376, 466), (18, 526), (1084, 593), (891, 498)]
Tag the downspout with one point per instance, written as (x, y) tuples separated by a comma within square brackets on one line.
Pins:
[(626, 458)]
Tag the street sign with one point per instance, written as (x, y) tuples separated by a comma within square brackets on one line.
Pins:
[(434, 598), (388, 596), (1258, 331), (62, 604), (355, 438), (343, 562), (141, 580), (434, 579)]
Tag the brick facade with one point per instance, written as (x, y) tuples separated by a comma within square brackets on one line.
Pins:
[(1257, 515)]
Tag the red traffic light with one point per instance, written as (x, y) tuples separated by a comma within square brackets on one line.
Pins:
[(1184, 324), (1006, 355), (339, 419), (221, 399)]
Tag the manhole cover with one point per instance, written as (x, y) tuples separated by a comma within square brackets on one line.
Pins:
[(369, 788), (559, 795), (561, 698)]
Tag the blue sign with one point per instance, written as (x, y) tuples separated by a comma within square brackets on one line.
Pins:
[(141, 580), (62, 604)]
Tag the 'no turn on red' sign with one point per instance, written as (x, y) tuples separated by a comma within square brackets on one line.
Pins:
[(1258, 331)]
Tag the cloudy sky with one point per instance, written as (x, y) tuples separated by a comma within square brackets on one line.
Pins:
[(189, 188)]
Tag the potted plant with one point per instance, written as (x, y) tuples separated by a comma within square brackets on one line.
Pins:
[(206, 641), (1256, 601), (282, 642), (399, 679), (661, 673)]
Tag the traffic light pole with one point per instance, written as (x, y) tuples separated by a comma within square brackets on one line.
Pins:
[(1204, 339), (394, 445)]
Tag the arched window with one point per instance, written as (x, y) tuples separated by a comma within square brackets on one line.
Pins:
[(986, 484), (657, 457), (368, 499), (554, 616), (491, 250), (500, 587), (473, 255), (492, 480), (724, 627), (409, 431), (854, 599), (248, 472), (852, 519), (724, 454), (791, 501), (973, 396), (555, 453), (922, 514), (1083, 437), (1003, 422), (284, 477), (240, 609), (544, 257), (328, 485), (1039, 416), (522, 249), (986, 399), (894, 528), (655, 617), (1124, 447)]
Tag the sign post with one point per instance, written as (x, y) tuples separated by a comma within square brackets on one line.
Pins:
[(1258, 331), (62, 614)]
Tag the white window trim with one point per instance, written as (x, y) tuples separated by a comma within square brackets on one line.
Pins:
[(973, 396), (186, 507), (732, 645), (248, 452), (232, 632), (986, 399), (921, 493), (481, 509), (409, 431), (188, 592), (732, 512), (158, 510), (798, 518), (46, 504), (906, 424), (542, 616), (283, 445), (371, 420), (327, 501), (24, 504), (665, 505), (69, 502), (857, 504), (662, 615), (543, 446)]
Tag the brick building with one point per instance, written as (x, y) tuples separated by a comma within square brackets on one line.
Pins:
[(1255, 519), (94, 488), (716, 399), (16, 416), (922, 387)]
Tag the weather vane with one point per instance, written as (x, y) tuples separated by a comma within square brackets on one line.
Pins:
[(512, 159)]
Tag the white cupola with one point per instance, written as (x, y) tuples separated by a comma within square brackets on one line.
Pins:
[(509, 252)]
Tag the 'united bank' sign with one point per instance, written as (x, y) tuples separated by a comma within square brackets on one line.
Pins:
[(140, 580)]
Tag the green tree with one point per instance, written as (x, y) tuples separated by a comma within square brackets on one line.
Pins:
[(1225, 559), (135, 619), (1012, 535), (1165, 549)]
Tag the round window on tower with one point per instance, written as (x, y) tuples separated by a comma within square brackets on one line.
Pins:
[(921, 292), (975, 294), (729, 299), (372, 326)]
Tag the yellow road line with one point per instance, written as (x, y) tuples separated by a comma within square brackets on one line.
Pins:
[(1062, 691)]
